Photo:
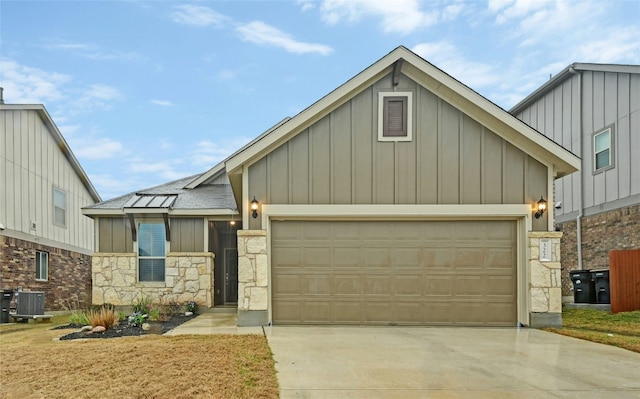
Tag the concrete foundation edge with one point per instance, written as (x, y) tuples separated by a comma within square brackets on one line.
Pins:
[(252, 318), (541, 320)]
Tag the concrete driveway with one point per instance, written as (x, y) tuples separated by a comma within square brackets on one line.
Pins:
[(417, 362)]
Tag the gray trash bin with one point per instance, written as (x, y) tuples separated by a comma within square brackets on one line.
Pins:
[(601, 282)]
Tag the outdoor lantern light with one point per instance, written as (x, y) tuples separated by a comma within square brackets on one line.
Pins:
[(254, 207), (542, 206)]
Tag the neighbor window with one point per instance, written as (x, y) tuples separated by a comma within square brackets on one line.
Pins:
[(603, 150), (42, 265), (394, 116), (59, 207), (151, 251)]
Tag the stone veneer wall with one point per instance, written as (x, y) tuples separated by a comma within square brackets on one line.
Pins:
[(544, 281), (188, 277), (253, 278), (616, 229), (69, 282)]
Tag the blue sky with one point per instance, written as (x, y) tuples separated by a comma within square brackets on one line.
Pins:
[(146, 92)]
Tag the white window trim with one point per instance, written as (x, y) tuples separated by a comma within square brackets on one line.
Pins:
[(39, 266), (381, 97), (611, 131), (66, 206), (167, 249)]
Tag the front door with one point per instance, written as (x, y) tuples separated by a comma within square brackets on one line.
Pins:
[(231, 275)]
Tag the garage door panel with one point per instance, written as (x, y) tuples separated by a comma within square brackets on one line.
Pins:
[(394, 272)]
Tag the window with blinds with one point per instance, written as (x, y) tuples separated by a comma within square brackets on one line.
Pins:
[(394, 116), (59, 207), (603, 150), (151, 251)]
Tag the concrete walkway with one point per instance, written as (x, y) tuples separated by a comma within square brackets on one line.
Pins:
[(213, 323), (439, 362)]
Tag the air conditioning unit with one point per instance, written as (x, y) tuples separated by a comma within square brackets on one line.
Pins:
[(29, 303)]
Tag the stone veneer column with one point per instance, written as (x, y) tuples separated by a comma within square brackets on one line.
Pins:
[(253, 278), (545, 286)]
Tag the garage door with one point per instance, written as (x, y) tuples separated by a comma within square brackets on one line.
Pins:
[(394, 272)]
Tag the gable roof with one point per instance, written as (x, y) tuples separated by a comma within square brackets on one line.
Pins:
[(443, 85), (566, 74), (59, 139), (172, 198)]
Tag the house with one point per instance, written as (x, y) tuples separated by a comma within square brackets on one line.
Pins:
[(402, 197), (593, 110), (45, 241)]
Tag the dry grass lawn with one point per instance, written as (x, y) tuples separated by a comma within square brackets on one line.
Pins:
[(33, 365), (622, 329)]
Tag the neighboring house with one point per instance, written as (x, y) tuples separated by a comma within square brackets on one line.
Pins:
[(402, 197), (45, 242), (593, 110)]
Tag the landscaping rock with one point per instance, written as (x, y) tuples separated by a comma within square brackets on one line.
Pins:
[(98, 329), (146, 326), (86, 328)]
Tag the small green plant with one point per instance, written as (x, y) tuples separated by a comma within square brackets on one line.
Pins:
[(137, 319), (105, 317), (79, 318), (191, 306), (142, 305)]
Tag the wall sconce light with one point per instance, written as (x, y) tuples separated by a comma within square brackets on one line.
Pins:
[(542, 206), (254, 207)]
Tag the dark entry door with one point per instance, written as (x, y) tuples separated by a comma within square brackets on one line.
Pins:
[(231, 275)]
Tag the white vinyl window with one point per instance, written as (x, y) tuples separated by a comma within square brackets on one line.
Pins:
[(42, 266), (394, 116), (59, 207), (151, 252), (603, 150)]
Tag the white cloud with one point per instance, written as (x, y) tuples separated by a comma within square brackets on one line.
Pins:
[(515, 9), (162, 103), (446, 56), (94, 97), (619, 46), (199, 16), (93, 52), (95, 148), (208, 153), (26, 85), (260, 33), (398, 16)]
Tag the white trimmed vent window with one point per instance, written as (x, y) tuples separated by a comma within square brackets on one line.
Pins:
[(42, 266), (151, 252), (603, 150), (59, 207), (394, 116)]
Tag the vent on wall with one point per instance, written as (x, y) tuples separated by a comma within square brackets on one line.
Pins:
[(34, 225)]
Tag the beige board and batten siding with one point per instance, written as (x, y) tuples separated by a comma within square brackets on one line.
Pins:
[(114, 235), (394, 272), (451, 160), (33, 164), (586, 103)]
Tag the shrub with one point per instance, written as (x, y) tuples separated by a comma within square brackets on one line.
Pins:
[(191, 306), (105, 317), (142, 305), (79, 318), (137, 319)]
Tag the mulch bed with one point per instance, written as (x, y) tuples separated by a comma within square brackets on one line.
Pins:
[(124, 329)]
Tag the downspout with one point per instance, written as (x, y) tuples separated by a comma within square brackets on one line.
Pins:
[(579, 217)]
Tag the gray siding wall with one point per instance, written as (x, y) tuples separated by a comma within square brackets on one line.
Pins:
[(451, 160), (187, 234), (31, 165), (114, 235), (570, 114)]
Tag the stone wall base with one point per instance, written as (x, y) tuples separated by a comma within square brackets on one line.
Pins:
[(542, 320)]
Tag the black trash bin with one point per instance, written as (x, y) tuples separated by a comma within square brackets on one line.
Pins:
[(601, 285), (6, 304), (583, 286)]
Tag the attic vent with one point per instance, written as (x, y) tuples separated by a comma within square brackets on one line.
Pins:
[(394, 116)]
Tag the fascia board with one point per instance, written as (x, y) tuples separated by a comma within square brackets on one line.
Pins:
[(316, 111), (158, 211), (206, 175)]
